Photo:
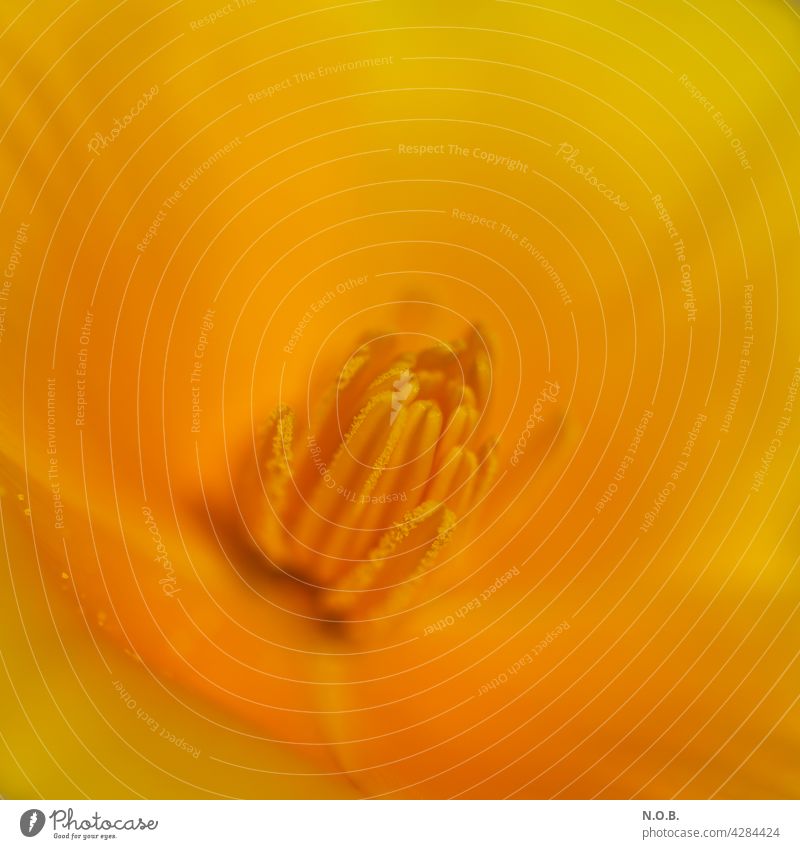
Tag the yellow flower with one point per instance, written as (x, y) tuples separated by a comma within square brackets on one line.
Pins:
[(278, 520)]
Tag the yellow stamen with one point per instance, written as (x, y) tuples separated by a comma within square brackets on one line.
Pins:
[(364, 503)]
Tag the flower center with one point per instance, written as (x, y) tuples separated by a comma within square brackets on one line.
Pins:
[(361, 503)]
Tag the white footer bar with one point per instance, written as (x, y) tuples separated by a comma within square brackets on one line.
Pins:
[(410, 825)]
